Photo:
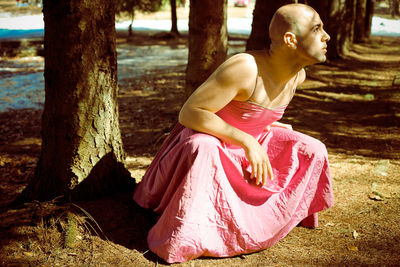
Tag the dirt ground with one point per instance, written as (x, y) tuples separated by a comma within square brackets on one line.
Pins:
[(352, 105)]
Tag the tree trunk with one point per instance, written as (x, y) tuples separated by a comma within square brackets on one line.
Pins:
[(208, 40), (130, 28), (368, 19), (82, 153), (347, 28), (361, 27), (395, 8), (174, 19), (262, 15)]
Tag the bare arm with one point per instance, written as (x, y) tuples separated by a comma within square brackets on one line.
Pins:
[(232, 80), (235, 79)]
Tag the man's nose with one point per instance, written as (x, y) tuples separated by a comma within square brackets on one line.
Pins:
[(326, 37)]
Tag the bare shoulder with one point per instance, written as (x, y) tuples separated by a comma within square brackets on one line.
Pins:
[(233, 79), (240, 72), (239, 64), (244, 57)]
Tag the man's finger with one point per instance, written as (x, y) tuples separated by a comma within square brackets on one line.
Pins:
[(270, 173), (253, 170), (259, 173), (265, 173)]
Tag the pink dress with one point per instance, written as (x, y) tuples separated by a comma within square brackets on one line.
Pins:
[(207, 204)]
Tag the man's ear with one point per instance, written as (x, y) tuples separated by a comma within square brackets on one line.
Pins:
[(290, 40)]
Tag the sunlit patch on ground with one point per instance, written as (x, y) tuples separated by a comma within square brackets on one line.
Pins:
[(137, 166)]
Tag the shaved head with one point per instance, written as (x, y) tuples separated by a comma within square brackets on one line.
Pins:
[(289, 18)]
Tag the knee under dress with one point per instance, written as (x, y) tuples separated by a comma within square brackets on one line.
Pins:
[(207, 204)]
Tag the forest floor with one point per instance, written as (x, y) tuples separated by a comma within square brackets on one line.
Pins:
[(352, 105)]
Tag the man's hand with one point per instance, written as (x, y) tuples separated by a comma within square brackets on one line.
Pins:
[(260, 166)]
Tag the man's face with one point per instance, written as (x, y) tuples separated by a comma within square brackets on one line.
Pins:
[(312, 39)]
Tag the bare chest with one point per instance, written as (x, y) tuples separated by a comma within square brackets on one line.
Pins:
[(270, 95)]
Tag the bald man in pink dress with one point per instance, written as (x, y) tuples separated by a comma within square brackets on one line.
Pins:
[(230, 179)]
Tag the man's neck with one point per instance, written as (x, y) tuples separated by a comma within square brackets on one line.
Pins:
[(282, 66)]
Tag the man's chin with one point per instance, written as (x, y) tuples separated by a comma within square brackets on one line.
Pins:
[(316, 60), (322, 59)]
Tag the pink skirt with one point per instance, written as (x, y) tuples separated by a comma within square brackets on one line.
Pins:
[(208, 206)]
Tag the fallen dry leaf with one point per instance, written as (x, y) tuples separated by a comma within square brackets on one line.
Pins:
[(28, 254), (355, 234), (375, 197), (352, 248)]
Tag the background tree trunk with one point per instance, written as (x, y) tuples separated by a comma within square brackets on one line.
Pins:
[(174, 19), (368, 19), (362, 26), (394, 7), (82, 153), (347, 26), (130, 28), (208, 40), (262, 15)]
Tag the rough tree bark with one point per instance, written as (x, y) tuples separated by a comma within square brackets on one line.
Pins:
[(208, 40), (82, 153), (262, 15)]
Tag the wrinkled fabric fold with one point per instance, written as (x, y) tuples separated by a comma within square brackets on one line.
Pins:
[(206, 201)]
